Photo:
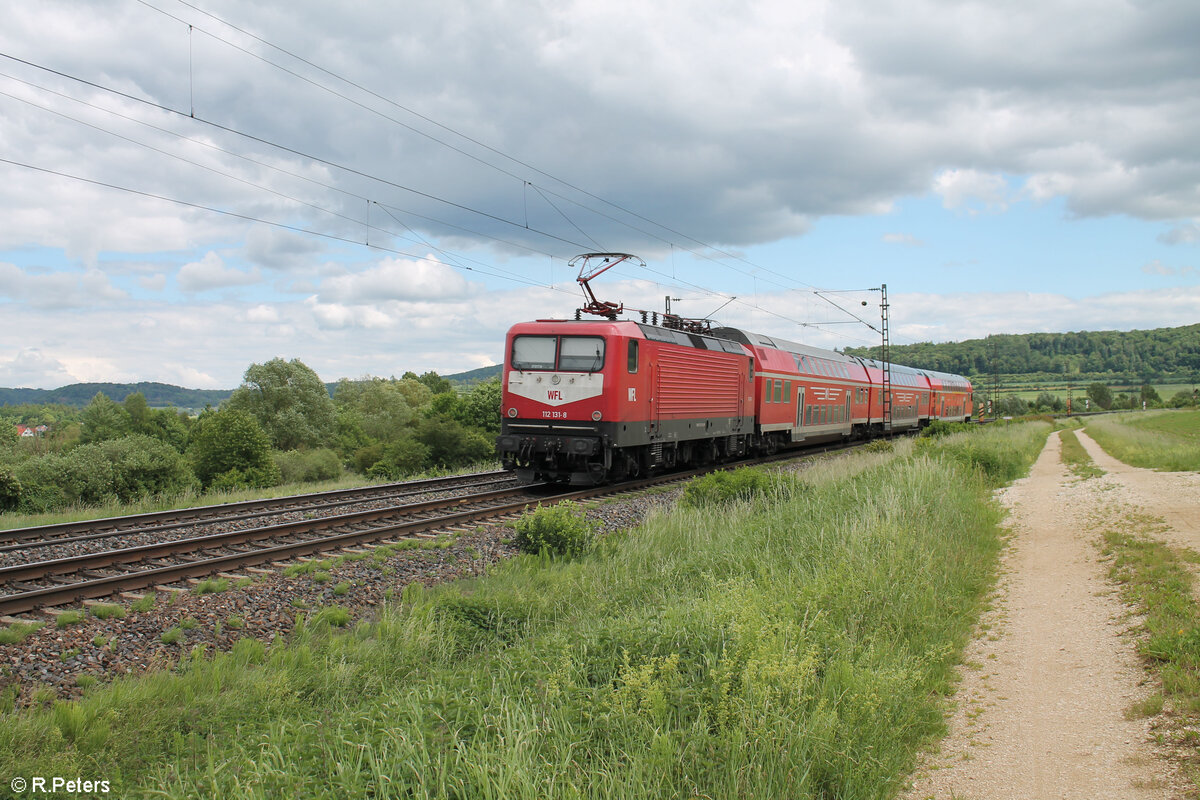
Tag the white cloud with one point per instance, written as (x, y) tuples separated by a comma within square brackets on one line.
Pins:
[(397, 279), (1182, 234), (211, 273), (58, 290), (971, 190)]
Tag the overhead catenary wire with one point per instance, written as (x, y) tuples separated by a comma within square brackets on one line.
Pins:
[(543, 191)]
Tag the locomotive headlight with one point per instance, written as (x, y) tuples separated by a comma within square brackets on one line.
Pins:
[(512, 412), (596, 416)]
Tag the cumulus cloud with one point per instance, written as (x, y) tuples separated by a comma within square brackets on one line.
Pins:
[(971, 190), (397, 279), (58, 290), (211, 273)]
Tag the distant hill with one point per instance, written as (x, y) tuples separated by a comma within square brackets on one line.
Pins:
[(475, 375), (1161, 354), (80, 394)]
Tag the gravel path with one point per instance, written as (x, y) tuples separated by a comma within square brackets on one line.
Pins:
[(1041, 708), (53, 661)]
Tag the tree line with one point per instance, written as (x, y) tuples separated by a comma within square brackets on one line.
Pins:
[(1162, 355), (279, 426)]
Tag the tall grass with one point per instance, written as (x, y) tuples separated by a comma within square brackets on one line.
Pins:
[(1162, 440), (797, 644)]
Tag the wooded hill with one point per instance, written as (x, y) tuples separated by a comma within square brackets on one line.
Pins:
[(78, 395), (1163, 355)]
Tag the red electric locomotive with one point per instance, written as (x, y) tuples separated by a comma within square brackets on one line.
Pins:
[(593, 401)]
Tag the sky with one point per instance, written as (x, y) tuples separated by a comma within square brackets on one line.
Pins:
[(188, 188)]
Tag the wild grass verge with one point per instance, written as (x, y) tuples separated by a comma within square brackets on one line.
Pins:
[(1076, 457), (1162, 440), (1154, 579), (796, 643)]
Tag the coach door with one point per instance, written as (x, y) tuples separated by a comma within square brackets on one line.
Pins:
[(798, 430)]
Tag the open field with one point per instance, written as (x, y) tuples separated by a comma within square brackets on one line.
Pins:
[(1163, 440), (820, 622)]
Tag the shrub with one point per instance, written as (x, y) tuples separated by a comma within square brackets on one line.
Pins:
[(10, 489), (401, 457), (940, 427), (723, 488), (452, 445), (230, 450), (143, 466), (559, 530), (304, 466)]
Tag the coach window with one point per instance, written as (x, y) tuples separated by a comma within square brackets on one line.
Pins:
[(633, 356), (787, 391), (778, 391)]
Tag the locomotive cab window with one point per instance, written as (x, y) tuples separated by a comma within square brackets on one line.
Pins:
[(632, 364), (563, 353)]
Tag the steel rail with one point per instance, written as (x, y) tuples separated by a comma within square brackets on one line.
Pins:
[(191, 515), (131, 555), (253, 514)]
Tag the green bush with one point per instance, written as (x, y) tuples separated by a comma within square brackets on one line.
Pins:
[(452, 445), (10, 489), (401, 457), (559, 529), (940, 427), (230, 451), (723, 488), (305, 466)]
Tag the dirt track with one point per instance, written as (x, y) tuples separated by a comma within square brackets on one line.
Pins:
[(1041, 712)]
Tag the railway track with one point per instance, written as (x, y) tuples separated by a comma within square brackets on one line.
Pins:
[(158, 521), (33, 585)]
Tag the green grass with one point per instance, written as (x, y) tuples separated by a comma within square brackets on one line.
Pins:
[(145, 604), (798, 644), (1162, 440), (67, 618), (1076, 457), (18, 631), (1153, 577), (107, 611), (211, 586), (171, 636)]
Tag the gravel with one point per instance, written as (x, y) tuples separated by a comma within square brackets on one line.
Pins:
[(52, 660)]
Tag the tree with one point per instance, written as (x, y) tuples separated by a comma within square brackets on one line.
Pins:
[(1100, 395), (379, 406), (436, 383), (1150, 396), (229, 448), (290, 403), (104, 419), (10, 489), (480, 408)]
